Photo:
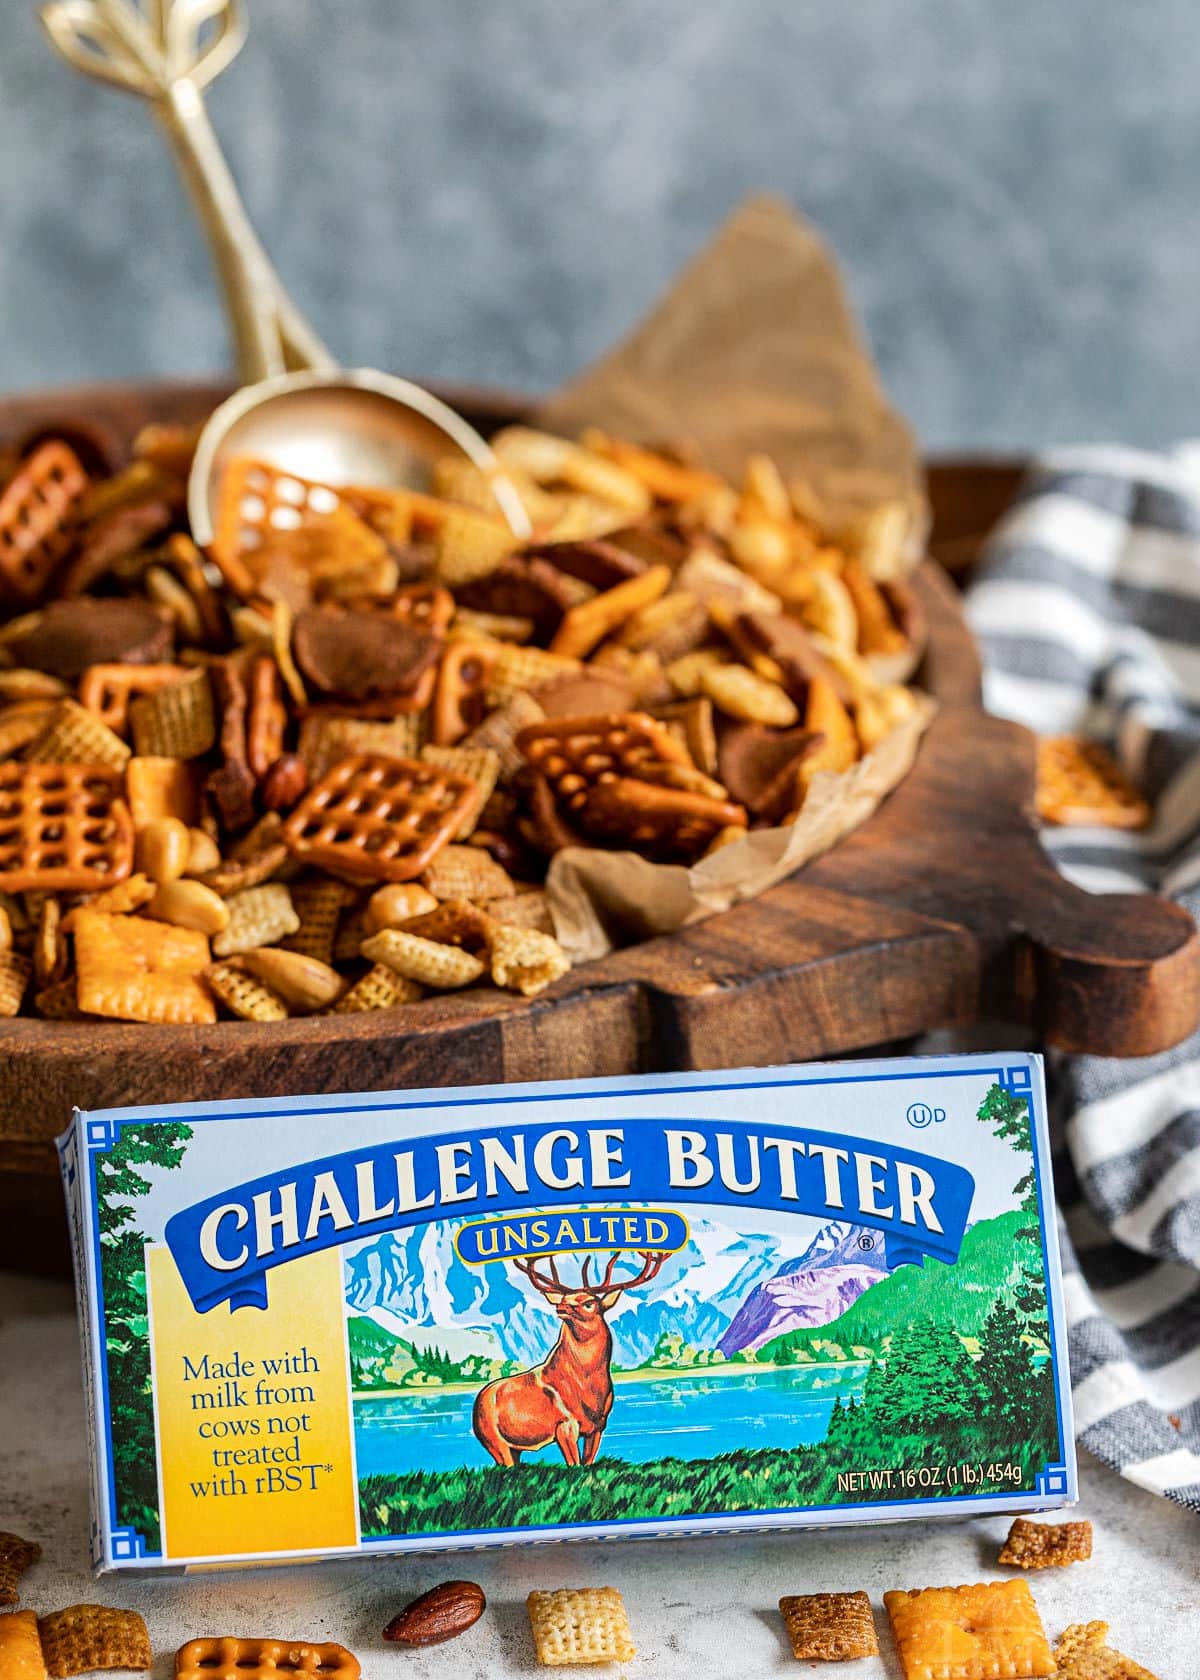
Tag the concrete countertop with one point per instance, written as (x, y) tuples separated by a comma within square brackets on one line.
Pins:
[(698, 1608)]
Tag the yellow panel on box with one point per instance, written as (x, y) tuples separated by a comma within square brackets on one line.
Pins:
[(253, 1416)]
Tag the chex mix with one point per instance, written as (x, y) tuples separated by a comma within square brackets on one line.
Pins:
[(217, 767)]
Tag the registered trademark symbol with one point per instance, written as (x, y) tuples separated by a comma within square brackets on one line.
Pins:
[(866, 1242)]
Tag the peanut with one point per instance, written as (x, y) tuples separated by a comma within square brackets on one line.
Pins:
[(301, 981), (203, 854), (163, 849), (190, 904), (395, 904)]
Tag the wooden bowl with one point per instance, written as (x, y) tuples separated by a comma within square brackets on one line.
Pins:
[(940, 911)]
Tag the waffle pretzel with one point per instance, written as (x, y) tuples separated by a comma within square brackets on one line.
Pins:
[(574, 753), (262, 1659), (380, 818), (36, 516), (63, 828), (255, 502)]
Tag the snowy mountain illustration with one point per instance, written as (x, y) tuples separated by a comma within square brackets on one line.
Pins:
[(413, 1284), (841, 1263)]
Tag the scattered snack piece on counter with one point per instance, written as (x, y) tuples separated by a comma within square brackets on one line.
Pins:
[(356, 689), (830, 1627), (1079, 783), (1083, 1653), (21, 1647), (576, 1626), (93, 1638), (1035, 1545), (262, 1659), (442, 1613), (16, 1555), (969, 1633)]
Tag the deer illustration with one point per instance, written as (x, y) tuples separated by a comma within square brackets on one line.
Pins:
[(567, 1398)]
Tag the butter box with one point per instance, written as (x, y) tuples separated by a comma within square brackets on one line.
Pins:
[(676, 1303)]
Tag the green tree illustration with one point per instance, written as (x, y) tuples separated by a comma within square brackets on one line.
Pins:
[(127, 1329), (927, 1385), (1018, 1388), (1008, 1117)]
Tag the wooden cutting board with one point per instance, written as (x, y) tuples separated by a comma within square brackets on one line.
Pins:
[(942, 910)]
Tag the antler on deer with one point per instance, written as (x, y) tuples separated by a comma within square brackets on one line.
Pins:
[(652, 1263), (542, 1284)]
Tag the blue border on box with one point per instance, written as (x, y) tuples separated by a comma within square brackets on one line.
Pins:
[(1021, 1075)]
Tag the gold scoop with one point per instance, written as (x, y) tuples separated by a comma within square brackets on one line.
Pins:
[(296, 408)]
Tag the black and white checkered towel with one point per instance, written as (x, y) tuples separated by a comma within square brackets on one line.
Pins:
[(1087, 608)]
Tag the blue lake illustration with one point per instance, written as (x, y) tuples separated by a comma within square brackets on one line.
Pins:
[(656, 1417)]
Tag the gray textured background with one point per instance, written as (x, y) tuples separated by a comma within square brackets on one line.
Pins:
[(495, 191)]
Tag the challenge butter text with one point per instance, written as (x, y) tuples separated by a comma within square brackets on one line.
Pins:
[(853, 1183)]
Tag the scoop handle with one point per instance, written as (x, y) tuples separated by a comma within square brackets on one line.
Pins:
[(167, 54)]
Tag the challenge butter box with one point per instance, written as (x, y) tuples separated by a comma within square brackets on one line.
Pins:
[(426, 1319)]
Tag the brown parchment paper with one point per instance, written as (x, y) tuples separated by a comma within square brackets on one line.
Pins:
[(753, 348)]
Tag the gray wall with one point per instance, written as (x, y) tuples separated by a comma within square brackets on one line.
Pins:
[(494, 192)]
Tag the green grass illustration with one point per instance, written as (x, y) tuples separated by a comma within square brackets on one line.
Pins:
[(611, 1490)]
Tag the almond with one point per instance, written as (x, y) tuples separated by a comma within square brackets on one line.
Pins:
[(441, 1613)]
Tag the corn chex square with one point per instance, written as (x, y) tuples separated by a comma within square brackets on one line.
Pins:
[(578, 1626), (258, 916)]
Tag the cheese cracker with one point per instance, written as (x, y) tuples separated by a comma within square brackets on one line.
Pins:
[(21, 1647), (986, 1632)]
